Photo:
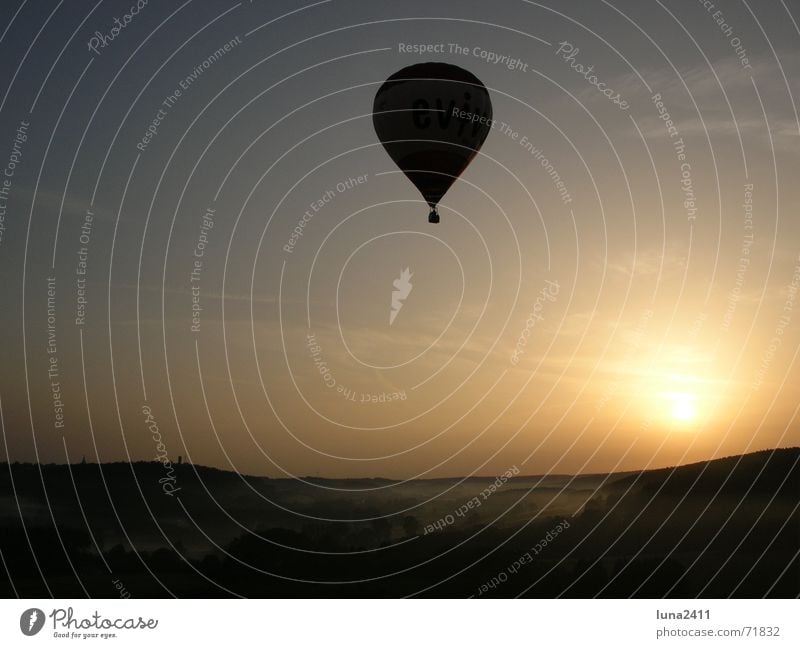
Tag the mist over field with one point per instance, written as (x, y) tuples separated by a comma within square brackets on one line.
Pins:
[(671, 532)]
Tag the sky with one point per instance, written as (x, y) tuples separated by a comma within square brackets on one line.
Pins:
[(613, 285)]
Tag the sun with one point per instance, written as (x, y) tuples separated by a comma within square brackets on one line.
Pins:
[(682, 407)]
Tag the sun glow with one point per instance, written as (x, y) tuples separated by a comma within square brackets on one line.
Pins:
[(676, 389), (681, 400)]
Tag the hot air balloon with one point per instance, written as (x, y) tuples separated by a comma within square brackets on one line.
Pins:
[(432, 119)]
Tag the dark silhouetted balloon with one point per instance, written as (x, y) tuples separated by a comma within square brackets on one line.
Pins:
[(432, 119)]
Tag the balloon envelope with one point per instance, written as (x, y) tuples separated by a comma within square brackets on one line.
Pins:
[(432, 119)]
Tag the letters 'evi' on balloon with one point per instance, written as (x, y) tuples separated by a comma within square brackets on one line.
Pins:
[(417, 116)]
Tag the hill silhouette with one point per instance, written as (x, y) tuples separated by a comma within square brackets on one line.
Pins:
[(725, 527)]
